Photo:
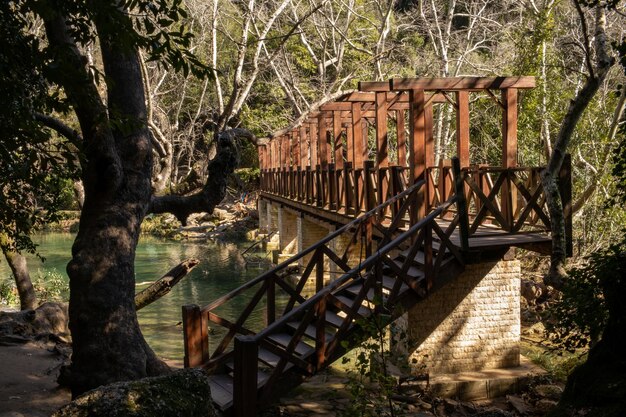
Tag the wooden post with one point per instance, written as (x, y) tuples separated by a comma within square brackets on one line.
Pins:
[(332, 187), (295, 148), (195, 336), (417, 151), (245, 387), (320, 333), (565, 189), (400, 125), (368, 186), (382, 157), (304, 148), (322, 143), (462, 128), (349, 190), (509, 151), (459, 189), (360, 145), (338, 137), (319, 270), (313, 141), (270, 312)]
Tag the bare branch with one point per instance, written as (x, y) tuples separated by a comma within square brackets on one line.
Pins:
[(60, 127), (214, 190)]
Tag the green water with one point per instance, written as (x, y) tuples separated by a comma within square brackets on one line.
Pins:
[(222, 269)]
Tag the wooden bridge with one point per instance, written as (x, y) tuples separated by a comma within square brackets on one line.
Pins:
[(406, 226)]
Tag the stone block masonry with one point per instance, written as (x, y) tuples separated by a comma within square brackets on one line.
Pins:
[(470, 324)]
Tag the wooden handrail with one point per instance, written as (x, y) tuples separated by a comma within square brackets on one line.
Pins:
[(354, 271), (272, 272)]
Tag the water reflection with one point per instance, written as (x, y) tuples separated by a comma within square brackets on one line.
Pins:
[(222, 268)]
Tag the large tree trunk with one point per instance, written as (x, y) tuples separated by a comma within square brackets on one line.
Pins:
[(25, 290), (107, 343), (597, 74)]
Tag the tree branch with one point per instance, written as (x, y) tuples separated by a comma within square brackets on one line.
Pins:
[(213, 192), (60, 127), (164, 285)]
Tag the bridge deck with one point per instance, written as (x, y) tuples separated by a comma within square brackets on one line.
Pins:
[(493, 237)]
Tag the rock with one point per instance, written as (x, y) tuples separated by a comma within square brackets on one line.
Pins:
[(424, 405), (49, 318), (451, 404), (531, 290), (494, 412), (549, 391), (544, 405), (223, 214), (185, 393), (519, 405)]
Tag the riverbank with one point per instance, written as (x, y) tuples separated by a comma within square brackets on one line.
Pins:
[(233, 220)]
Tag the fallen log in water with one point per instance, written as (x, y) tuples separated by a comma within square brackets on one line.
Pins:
[(164, 285)]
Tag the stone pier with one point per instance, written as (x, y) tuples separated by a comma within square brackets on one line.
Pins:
[(470, 324)]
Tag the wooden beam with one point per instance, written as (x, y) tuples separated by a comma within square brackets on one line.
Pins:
[(313, 143), (338, 138), (359, 142), (336, 106), (509, 128), (417, 154), (462, 128), (401, 134), (322, 143), (461, 83), (304, 147), (374, 86), (382, 157)]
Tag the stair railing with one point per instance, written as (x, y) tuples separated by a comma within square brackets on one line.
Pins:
[(361, 231), (312, 311)]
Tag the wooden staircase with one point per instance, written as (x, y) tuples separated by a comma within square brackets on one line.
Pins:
[(397, 265), (303, 344)]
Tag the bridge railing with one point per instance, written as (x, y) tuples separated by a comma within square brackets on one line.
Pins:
[(340, 251), (510, 199), (346, 190)]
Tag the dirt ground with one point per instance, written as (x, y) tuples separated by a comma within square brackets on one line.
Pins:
[(28, 380)]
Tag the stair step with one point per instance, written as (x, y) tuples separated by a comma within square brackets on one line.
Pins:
[(418, 259), (364, 311), (221, 390), (283, 339), (310, 331), (334, 319), (388, 283), (265, 356), (413, 272)]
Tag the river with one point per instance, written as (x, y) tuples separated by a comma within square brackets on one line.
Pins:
[(222, 268)]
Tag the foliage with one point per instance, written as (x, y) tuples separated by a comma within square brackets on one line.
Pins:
[(8, 292), (558, 364), (159, 225), (50, 285), (369, 383), (33, 165), (248, 175), (579, 317)]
